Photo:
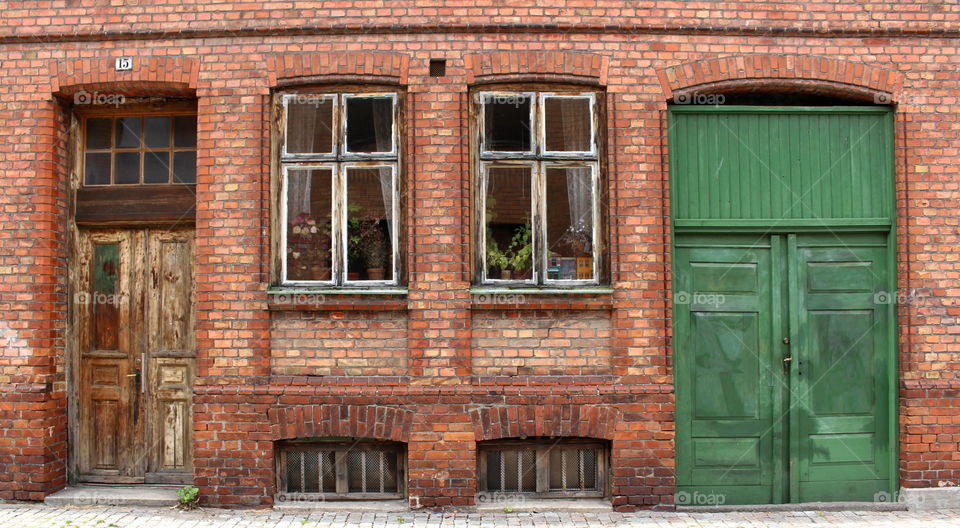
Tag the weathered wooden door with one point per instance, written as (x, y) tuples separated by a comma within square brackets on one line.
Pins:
[(134, 320), (782, 347)]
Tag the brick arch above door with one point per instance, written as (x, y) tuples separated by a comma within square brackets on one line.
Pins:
[(781, 71), (156, 76), (357, 421), (519, 421)]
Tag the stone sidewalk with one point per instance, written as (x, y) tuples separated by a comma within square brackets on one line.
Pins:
[(29, 515)]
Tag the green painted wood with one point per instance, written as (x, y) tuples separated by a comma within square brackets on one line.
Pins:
[(840, 379), (780, 166), (722, 302), (750, 431)]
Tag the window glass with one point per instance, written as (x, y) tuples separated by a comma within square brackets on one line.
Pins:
[(128, 132), (506, 123), (185, 166), (96, 168), (309, 125), (156, 166), (126, 168), (309, 220), (509, 235), (156, 131), (98, 133), (185, 131), (369, 221), (369, 124), (567, 124), (569, 221)]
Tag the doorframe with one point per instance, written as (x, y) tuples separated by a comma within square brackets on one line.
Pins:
[(799, 226), (72, 355)]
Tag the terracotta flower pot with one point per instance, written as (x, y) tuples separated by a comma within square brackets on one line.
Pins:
[(376, 274)]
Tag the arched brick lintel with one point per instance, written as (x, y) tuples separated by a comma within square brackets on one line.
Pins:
[(515, 421), (544, 66), (354, 66), (778, 72), (358, 421), (174, 76)]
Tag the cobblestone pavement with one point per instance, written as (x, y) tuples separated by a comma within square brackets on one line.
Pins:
[(22, 515)]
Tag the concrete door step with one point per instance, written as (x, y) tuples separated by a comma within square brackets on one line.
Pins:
[(90, 495)]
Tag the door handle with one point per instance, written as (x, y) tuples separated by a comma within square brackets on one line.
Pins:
[(786, 364)]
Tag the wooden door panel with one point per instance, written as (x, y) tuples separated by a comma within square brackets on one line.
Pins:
[(172, 349), (722, 306), (106, 290), (840, 417)]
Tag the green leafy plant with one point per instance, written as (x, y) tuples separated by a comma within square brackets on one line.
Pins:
[(188, 497)]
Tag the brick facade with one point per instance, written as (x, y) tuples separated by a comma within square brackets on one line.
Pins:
[(442, 368)]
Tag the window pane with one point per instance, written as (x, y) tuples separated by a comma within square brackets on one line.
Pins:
[(309, 125), (371, 471), (185, 131), (96, 169), (157, 132), (185, 166), (509, 246), (98, 132), (513, 470), (370, 223), (570, 204), (309, 211), (567, 124), (573, 469), (126, 168), (156, 167), (369, 124), (506, 120), (128, 132)]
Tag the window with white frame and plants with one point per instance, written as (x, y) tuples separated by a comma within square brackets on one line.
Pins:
[(338, 203), (538, 218)]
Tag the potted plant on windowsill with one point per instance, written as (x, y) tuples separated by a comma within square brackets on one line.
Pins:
[(308, 249), (513, 263), (375, 250), (368, 245)]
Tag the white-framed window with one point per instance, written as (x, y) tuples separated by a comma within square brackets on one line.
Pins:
[(338, 194), (538, 188)]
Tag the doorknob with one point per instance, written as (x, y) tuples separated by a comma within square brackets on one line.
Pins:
[(786, 364)]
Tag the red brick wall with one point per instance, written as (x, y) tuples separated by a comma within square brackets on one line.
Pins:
[(230, 56), (541, 344), (339, 344)]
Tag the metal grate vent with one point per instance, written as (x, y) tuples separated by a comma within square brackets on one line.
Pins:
[(345, 470), (573, 469), (544, 468)]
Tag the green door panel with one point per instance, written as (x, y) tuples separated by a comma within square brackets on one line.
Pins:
[(840, 405), (751, 431), (722, 302)]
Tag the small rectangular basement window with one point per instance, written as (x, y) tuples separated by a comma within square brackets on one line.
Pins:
[(544, 468), (340, 470)]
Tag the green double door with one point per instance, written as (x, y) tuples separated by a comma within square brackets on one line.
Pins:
[(782, 365)]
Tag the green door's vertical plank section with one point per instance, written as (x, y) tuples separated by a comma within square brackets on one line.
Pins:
[(840, 410), (762, 166), (725, 427), (794, 371), (779, 393)]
